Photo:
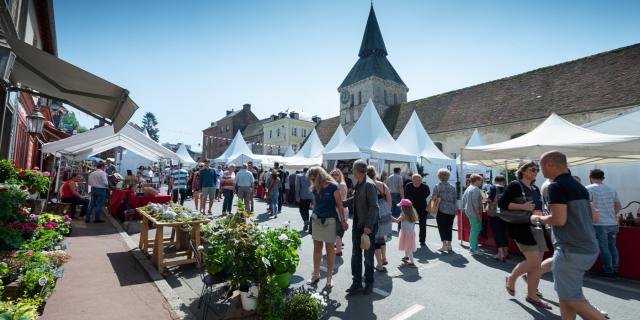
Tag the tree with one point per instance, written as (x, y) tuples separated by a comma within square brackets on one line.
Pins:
[(70, 123), (149, 124)]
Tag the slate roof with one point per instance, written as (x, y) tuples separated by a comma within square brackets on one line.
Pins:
[(605, 80), (326, 128), (255, 129), (373, 56)]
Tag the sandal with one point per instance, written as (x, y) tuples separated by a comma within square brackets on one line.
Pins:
[(383, 269), (385, 262), (314, 279), (329, 284), (539, 303), (510, 291), (405, 259), (538, 293)]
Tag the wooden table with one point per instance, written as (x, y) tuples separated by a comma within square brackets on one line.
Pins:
[(157, 245)]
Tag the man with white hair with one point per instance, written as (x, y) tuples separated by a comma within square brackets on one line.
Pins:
[(418, 192)]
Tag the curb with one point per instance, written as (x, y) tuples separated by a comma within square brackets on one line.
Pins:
[(179, 308)]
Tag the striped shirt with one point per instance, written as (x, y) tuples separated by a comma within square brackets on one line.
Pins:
[(395, 183), (179, 178), (604, 198)]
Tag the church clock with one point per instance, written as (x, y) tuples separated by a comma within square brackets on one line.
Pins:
[(344, 97)]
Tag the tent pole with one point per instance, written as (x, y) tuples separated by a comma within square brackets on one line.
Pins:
[(460, 174)]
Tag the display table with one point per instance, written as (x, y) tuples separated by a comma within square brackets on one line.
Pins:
[(117, 202), (628, 240), (155, 248), (136, 201)]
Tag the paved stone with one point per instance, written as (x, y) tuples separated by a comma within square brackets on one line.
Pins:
[(103, 280)]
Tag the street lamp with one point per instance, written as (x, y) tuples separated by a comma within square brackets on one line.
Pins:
[(35, 122)]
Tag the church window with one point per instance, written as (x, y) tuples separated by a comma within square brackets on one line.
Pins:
[(359, 97), (278, 132), (438, 145), (352, 102)]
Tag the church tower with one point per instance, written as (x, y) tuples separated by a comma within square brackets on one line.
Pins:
[(372, 77)]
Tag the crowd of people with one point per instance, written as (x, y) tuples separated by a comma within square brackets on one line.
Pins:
[(581, 220)]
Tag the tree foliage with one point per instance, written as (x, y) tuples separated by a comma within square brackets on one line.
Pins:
[(70, 123), (149, 123)]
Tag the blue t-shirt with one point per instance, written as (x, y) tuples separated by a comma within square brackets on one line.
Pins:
[(208, 178), (325, 206), (577, 234)]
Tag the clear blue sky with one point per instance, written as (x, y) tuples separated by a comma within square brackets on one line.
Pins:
[(189, 61)]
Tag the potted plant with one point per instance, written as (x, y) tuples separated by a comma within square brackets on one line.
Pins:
[(303, 305), (279, 254), (248, 295)]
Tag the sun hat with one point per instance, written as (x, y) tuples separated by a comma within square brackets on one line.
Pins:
[(405, 203)]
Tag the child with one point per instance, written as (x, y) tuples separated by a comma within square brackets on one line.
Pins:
[(407, 220)]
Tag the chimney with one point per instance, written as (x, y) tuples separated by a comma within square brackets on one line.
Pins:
[(230, 111), (246, 107), (316, 119)]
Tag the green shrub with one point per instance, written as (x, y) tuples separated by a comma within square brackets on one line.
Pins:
[(270, 300), (301, 306)]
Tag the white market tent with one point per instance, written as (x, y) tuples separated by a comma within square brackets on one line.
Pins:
[(336, 139), (185, 157), (313, 147), (369, 139), (469, 168), (415, 139), (289, 152), (581, 145), (237, 152), (103, 138), (617, 175)]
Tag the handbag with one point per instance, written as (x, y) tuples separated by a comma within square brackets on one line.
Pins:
[(516, 216), (434, 203)]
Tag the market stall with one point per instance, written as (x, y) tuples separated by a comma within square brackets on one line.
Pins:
[(185, 157), (582, 146), (237, 152), (309, 155), (369, 139)]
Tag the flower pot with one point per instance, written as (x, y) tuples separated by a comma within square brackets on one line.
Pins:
[(249, 299), (283, 280), (37, 205)]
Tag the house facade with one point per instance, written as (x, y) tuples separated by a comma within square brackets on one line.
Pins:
[(219, 134), (285, 129)]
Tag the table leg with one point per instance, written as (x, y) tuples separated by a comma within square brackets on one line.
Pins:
[(158, 250), (144, 234), (196, 239), (176, 235)]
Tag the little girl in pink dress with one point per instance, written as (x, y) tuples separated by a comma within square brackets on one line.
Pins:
[(407, 221)]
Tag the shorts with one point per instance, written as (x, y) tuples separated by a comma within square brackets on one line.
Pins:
[(209, 191), (541, 242), (568, 273)]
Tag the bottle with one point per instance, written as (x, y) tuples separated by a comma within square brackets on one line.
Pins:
[(620, 220)]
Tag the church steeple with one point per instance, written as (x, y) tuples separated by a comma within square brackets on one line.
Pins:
[(372, 42)]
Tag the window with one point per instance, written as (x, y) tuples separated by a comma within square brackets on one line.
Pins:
[(294, 132), (438, 145), (359, 97), (517, 135), (304, 132), (221, 129), (270, 134), (278, 149), (278, 132), (352, 101), (228, 128)]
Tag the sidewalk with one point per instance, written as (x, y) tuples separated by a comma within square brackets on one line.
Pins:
[(103, 280)]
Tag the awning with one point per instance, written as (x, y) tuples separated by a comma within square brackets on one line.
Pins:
[(52, 77)]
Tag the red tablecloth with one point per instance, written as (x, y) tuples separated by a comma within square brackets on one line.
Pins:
[(135, 201), (116, 205), (628, 241)]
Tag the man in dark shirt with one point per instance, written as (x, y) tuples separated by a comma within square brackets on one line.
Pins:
[(575, 243), (418, 192)]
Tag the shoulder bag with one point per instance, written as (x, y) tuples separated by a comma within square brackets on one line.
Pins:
[(516, 216), (434, 204)]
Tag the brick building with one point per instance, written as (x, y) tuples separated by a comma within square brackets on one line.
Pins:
[(218, 136)]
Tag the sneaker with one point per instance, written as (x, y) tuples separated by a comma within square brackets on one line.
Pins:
[(443, 249)]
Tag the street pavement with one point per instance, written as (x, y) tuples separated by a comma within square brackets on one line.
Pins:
[(443, 286)]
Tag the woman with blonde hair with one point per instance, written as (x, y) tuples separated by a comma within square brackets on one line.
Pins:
[(326, 220), (446, 209), (336, 174), (384, 219)]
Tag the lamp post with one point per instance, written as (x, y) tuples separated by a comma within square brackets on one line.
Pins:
[(35, 122)]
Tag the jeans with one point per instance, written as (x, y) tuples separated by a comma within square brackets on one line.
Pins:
[(98, 195), (395, 199), (181, 192), (75, 201), (275, 197), (356, 255), (304, 210), (445, 225), (606, 236), (476, 227), (227, 203)]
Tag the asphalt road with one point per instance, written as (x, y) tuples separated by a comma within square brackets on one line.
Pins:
[(443, 286)]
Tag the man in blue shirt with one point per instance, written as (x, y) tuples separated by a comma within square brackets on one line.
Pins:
[(244, 184), (208, 181), (575, 245)]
